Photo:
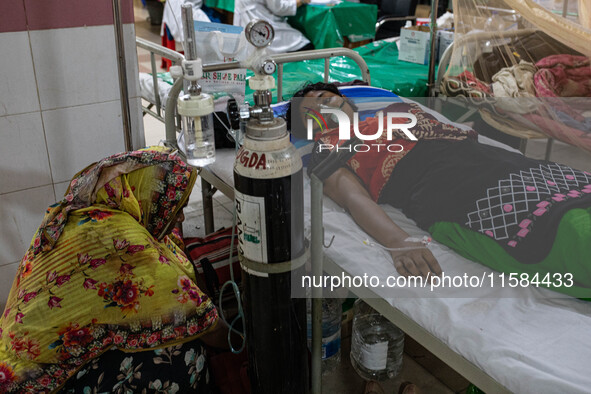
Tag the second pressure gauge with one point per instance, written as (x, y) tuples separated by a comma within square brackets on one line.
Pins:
[(259, 33)]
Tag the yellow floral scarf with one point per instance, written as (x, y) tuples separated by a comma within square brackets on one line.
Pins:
[(101, 272)]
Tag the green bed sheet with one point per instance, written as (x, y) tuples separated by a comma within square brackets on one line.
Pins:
[(386, 71), (571, 252)]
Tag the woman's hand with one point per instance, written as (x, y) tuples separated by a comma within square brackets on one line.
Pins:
[(415, 262), (347, 191)]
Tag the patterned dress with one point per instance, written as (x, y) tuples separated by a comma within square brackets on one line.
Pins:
[(102, 273)]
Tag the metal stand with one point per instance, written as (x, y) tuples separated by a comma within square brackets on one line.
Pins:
[(317, 257), (122, 71), (432, 55)]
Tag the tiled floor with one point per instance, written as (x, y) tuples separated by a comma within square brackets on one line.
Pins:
[(420, 367)]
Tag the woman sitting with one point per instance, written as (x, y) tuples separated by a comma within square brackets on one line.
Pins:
[(507, 211), (103, 272)]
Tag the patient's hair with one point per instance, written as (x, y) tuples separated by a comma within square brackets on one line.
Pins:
[(298, 128)]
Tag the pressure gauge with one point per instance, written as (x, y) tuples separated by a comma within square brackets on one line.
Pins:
[(259, 33), (269, 67)]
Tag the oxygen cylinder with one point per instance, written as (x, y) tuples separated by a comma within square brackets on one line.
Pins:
[(268, 181)]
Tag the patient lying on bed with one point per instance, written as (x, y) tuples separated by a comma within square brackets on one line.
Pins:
[(491, 205)]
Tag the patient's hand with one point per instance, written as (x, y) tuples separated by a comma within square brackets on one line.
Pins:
[(415, 262)]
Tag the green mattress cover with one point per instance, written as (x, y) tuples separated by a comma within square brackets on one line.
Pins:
[(327, 25), (571, 252), (386, 71)]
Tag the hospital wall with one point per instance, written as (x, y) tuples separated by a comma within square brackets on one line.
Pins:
[(60, 107)]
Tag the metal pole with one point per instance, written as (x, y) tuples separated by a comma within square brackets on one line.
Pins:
[(122, 70), (317, 257), (565, 8), (431, 77)]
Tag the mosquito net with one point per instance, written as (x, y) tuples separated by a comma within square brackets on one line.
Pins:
[(525, 63)]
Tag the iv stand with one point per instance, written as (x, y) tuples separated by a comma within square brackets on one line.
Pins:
[(432, 55)]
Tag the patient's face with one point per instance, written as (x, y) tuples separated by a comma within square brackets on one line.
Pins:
[(318, 99)]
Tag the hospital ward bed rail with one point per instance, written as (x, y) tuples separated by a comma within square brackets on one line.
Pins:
[(280, 59), (325, 54), (210, 181), (155, 49)]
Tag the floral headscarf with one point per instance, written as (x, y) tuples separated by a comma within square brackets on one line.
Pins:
[(101, 272)]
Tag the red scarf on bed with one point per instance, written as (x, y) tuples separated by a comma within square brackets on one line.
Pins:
[(375, 166)]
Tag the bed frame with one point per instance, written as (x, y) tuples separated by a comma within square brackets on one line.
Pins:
[(212, 183)]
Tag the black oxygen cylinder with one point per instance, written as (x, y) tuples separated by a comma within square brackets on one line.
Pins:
[(268, 180)]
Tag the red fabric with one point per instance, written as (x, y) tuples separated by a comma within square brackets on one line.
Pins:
[(561, 131), (375, 166), (474, 82), (170, 43), (216, 248), (230, 372), (563, 76)]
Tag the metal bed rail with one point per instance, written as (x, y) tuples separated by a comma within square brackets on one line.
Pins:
[(280, 60), (155, 49), (210, 182), (325, 54), (435, 345)]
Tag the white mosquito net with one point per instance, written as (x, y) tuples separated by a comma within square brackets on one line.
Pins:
[(526, 64)]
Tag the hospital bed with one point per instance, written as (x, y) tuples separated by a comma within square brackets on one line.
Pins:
[(501, 339), (381, 57)]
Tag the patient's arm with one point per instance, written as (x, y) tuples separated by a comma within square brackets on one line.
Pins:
[(346, 190)]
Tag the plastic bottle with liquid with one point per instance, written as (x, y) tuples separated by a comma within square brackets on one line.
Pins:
[(376, 344), (331, 332), (197, 124)]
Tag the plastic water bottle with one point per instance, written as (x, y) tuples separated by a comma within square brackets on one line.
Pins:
[(331, 332), (376, 344)]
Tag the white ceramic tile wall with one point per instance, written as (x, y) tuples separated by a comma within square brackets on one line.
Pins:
[(7, 273), (25, 163), (60, 190), (20, 214), (75, 66), (72, 78), (18, 93), (78, 136)]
